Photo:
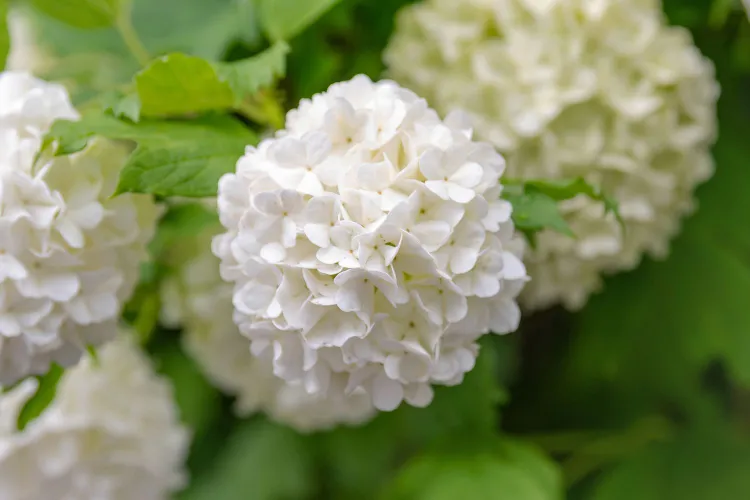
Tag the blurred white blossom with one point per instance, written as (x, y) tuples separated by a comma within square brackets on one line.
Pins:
[(69, 253), (111, 433), (604, 90), (25, 53), (195, 297), (359, 239)]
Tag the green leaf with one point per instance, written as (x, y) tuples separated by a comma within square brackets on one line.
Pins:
[(4, 34), (81, 13), (198, 401), (261, 461), (283, 19), (178, 84), (699, 465), (535, 211), (181, 221), (123, 106), (498, 469), (566, 189), (42, 398), (173, 158), (247, 76)]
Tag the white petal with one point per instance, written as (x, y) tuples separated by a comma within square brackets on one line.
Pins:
[(387, 394)]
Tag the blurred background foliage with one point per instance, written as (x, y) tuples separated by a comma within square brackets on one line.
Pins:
[(645, 394)]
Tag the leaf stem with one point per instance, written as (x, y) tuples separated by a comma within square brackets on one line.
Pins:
[(130, 37)]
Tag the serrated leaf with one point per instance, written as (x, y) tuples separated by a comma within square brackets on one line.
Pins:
[(172, 158), (4, 34), (247, 76), (699, 465), (179, 84), (42, 398), (284, 19), (81, 13), (500, 468)]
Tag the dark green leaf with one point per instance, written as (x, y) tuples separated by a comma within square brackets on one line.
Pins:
[(198, 400), (283, 19), (173, 158), (247, 76), (81, 13), (178, 84), (45, 394), (498, 469), (697, 466), (261, 461)]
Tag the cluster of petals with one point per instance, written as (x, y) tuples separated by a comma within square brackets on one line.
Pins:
[(195, 298), (111, 433), (69, 253), (369, 245), (570, 88)]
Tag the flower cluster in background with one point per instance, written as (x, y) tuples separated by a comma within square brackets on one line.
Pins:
[(69, 253), (112, 433), (369, 245), (603, 90), (195, 298)]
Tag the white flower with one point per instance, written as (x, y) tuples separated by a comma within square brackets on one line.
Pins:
[(604, 90), (353, 242), (112, 433), (69, 254), (196, 298)]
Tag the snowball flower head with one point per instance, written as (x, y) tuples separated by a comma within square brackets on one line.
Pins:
[(604, 90), (195, 297), (69, 253), (369, 246), (112, 433)]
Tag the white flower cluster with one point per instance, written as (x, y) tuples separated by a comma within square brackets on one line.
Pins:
[(69, 254), (569, 88), (369, 245), (195, 297), (112, 433)]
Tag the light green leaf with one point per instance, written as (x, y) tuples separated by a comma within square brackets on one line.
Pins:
[(81, 13), (697, 466), (566, 189), (283, 19), (4, 34), (179, 84), (123, 106), (498, 469), (535, 211), (172, 158), (261, 461), (247, 76), (44, 395)]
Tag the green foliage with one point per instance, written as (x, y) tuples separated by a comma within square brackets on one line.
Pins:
[(178, 84), (42, 398), (82, 13), (261, 461), (495, 469), (172, 158), (283, 19), (4, 34), (698, 465), (535, 203), (247, 76), (197, 400)]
